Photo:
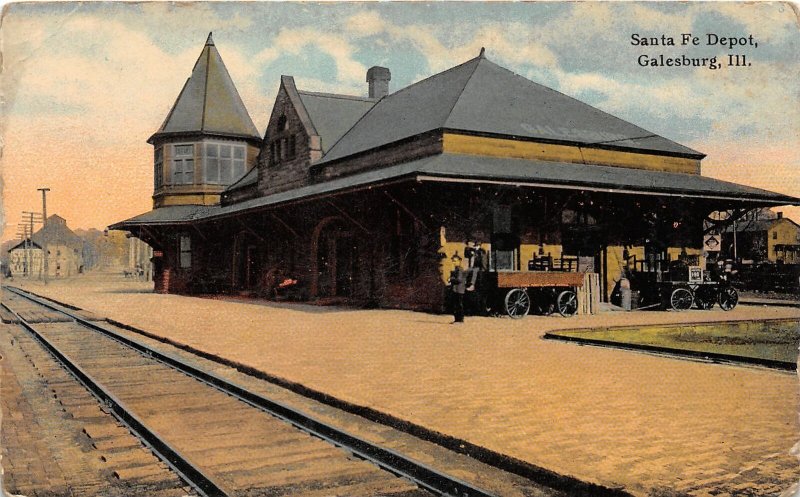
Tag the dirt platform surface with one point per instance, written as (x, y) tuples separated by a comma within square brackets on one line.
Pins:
[(649, 424)]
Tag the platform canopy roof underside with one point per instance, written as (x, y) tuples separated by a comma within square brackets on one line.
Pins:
[(487, 170)]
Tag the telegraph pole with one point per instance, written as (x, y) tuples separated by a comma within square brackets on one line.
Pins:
[(26, 254), (45, 253), (30, 242)]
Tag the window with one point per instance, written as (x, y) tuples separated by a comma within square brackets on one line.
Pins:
[(774, 235), (282, 123), (224, 163), (158, 171), (183, 164), (185, 251), (291, 149)]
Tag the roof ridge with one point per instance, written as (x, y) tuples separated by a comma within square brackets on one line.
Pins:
[(435, 75), (288, 84), (650, 133), (205, 83), (235, 90), (337, 95), (398, 92), (479, 58)]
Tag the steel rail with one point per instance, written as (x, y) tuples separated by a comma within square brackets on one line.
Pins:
[(204, 484), (423, 475)]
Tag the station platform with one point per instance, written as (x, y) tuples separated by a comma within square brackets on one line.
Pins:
[(648, 424)]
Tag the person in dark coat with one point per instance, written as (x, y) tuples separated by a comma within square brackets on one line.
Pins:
[(458, 285), (478, 266)]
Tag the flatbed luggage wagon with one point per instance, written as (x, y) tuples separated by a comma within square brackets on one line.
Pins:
[(516, 293)]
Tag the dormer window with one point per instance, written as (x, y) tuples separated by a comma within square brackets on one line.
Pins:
[(183, 164)]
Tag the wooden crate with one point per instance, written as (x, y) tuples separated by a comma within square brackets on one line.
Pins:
[(589, 294)]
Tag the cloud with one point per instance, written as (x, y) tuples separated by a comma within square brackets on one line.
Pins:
[(336, 45)]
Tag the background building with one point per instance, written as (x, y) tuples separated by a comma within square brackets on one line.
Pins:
[(64, 252), (775, 240)]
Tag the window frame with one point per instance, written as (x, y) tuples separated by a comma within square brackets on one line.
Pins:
[(182, 165), (229, 169), (158, 167), (184, 251)]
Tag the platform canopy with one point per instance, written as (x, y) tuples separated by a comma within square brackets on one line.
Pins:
[(454, 168)]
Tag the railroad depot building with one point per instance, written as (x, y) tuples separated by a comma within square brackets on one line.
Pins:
[(364, 199)]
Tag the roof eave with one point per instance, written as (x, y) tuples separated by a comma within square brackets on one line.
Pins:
[(255, 139), (753, 198)]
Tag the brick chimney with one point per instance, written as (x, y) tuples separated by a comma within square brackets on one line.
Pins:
[(378, 79)]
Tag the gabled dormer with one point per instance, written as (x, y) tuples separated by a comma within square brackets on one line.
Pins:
[(207, 141), (304, 125)]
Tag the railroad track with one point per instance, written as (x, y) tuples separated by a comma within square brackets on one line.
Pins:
[(219, 437)]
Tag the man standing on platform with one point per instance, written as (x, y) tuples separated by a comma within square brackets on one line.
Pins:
[(479, 263), (458, 285)]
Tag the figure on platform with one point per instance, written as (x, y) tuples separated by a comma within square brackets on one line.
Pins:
[(458, 285), (479, 263)]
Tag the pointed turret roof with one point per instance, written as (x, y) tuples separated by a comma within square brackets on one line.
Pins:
[(209, 102), (482, 97)]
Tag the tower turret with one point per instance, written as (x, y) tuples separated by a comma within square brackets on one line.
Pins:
[(207, 140)]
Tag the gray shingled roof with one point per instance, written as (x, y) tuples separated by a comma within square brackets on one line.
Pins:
[(56, 232), (446, 167), (332, 115), (249, 178), (481, 97), (209, 102), (173, 214)]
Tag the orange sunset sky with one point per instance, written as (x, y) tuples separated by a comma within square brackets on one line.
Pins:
[(85, 84)]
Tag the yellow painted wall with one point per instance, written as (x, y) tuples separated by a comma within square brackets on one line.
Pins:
[(615, 261), (501, 147), (785, 232), (186, 199)]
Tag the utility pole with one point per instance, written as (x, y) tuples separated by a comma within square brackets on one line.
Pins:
[(30, 242), (22, 232), (45, 253)]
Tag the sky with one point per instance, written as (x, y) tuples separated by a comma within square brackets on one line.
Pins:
[(83, 85)]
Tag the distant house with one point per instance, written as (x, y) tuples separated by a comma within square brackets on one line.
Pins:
[(765, 240), (64, 251)]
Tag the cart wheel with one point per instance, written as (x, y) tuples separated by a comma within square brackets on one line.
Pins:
[(728, 298), (567, 303), (704, 299), (681, 299), (518, 303)]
